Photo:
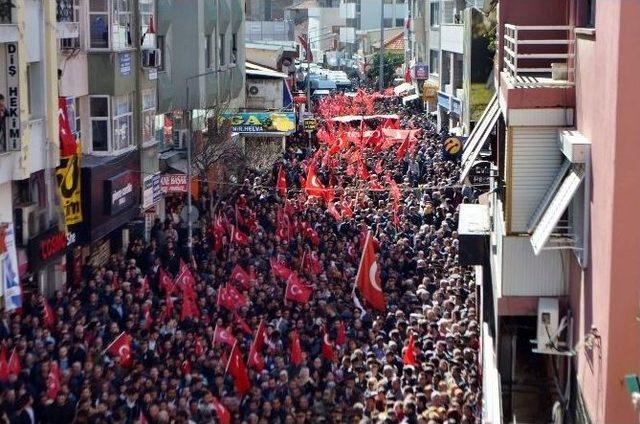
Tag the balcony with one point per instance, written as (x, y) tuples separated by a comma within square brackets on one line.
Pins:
[(67, 29), (452, 38), (538, 67)]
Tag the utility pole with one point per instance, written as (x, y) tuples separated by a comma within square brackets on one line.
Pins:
[(381, 52)]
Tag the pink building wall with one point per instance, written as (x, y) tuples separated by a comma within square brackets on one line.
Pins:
[(607, 295)]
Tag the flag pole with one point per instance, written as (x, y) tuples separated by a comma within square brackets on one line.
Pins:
[(113, 342), (230, 356)]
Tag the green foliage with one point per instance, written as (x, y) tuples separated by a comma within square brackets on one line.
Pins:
[(391, 62), (479, 99)]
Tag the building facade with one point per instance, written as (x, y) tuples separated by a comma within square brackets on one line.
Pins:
[(558, 144), (29, 147)]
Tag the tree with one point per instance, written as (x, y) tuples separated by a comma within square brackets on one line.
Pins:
[(216, 155), (391, 62)]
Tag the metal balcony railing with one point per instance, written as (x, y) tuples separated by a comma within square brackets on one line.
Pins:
[(68, 29), (538, 56)]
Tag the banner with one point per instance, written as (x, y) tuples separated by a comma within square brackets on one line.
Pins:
[(173, 183), (68, 176), (10, 279), (261, 122)]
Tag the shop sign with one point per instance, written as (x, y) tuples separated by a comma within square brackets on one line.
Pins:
[(310, 124), (421, 71), (12, 112), (46, 247), (479, 174), (452, 146), (68, 176), (12, 292), (261, 122), (173, 183), (151, 192), (119, 193), (429, 91), (125, 64)]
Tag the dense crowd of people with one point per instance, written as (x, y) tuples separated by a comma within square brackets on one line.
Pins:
[(350, 362)]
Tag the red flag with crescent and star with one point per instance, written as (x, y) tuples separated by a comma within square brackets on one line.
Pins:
[(368, 277), (222, 335), (282, 182), (327, 346), (224, 416), (121, 348), (238, 370), (240, 275), (296, 350), (297, 291), (53, 380)]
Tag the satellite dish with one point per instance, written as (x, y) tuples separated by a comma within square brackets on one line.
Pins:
[(195, 214)]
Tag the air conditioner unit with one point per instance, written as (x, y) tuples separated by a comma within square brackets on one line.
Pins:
[(253, 91), (151, 58), (27, 223), (180, 139), (548, 322)]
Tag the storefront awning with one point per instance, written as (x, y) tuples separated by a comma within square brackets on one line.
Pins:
[(479, 135), (410, 98), (403, 88), (555, 203)]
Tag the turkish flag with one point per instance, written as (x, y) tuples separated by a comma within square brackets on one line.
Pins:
[(407, 75), (121, 348), (346, 209), (261, 336), (230, 298), (238, 237), (313, 186), (166, 283), (189, 308), (48, 317), (327, 346), (238, 370), (297, 291), (68, 145), (368, 277), (185, 281), (185, 367), (282, 182), (331, 210), (394, 190), (4, 365), (341, 338), (221, 335), (53, 380), (363, 172), (240, 275), (403, 149), (148, 319), (255, 361), (296, 350), (409, 355), (168, 306), (280, 270), (224, 416), (311, 234)]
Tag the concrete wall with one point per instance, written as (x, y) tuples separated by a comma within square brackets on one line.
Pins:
[(606, 294), (270, 94)]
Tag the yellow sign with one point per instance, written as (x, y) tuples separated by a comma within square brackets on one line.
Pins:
[(310, 124), (429, 91), (452, 145), (68, 176)]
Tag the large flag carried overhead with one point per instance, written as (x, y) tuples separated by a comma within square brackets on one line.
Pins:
[(368, 277)]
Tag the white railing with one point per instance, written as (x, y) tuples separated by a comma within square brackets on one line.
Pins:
[(537, 55)]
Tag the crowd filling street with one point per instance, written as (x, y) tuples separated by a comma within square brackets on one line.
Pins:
[(327, 290)]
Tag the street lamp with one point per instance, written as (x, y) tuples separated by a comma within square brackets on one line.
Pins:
[(189, 172)]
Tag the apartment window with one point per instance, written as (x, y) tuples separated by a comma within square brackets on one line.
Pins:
[(121, 24), (591, 13), (99, 24), (122, 122), (148, 116), (399, 22), (221, 50), (208, 56), (147, 17), (434, 9), (73, 115), (64, 11), (99, 116), (388, 22), (388, 1), (161, 47), (434, 61), (234, 48)]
